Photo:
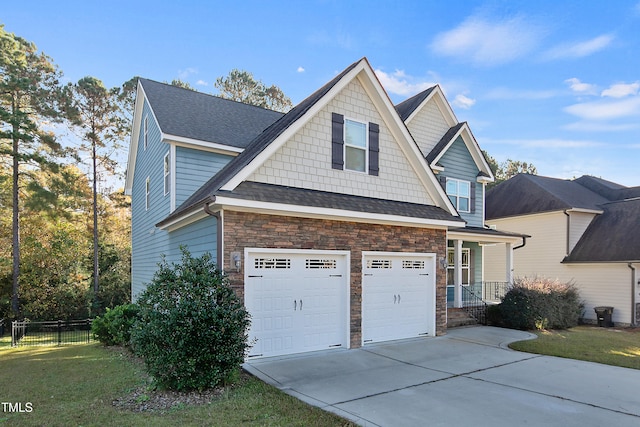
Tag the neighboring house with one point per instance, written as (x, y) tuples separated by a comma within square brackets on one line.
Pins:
[(329, 220), (584, 230)]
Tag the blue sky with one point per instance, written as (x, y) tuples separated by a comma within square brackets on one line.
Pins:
[(554, 83)]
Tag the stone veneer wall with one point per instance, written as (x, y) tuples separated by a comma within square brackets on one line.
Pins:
[(249, 230)]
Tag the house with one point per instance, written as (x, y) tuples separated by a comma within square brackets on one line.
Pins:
[(583, 230), (330, 221)]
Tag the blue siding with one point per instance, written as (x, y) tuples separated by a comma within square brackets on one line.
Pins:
[(194, 168), (149, 243), (459, 164)]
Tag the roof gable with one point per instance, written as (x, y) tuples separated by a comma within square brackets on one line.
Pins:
[(613, 236), (527, 194)]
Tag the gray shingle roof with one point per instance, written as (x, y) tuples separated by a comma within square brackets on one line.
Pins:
[(261, 192), (525, 194), (408, 106), (613, 236), (610, 190), (444, 141), (190, 114)]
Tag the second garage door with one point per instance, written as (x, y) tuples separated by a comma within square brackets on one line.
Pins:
[(398, 296)]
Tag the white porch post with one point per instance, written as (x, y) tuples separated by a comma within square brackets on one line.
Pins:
[(457, 273), (509, 266)]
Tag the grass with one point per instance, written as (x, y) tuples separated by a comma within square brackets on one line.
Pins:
[(611, 346), (76, 385)]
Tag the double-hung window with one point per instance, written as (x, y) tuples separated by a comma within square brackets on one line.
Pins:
[(167, 174), (355, 145), (459, 193)]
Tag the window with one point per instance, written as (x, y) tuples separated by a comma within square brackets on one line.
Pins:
[(466, 266), (355, 145), (167, 174), (459, 193), (146, 132), (147, 191)]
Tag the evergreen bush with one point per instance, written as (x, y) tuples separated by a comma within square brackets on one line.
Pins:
[(114, 328), (192, 330)]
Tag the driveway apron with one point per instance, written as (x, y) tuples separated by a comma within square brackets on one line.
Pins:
[(468, 377)]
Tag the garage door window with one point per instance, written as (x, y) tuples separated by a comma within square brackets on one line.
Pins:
[(272, 263), (321, 264), (379, 263)]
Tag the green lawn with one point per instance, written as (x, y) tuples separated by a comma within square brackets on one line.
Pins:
[(75, 386), (611, 346)]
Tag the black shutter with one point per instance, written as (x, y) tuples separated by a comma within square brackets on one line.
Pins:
[(374, 149), (337, 141), (472, 202)]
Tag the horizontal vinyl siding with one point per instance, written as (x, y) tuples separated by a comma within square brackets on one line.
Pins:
[(599, 284), (148, 243), (194, 168), (579, 221), (459, 164)]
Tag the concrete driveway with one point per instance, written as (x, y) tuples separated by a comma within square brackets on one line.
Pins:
[(468, 377)]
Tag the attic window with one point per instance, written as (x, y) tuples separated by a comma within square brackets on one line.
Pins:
[(167, 174), (355, 145)]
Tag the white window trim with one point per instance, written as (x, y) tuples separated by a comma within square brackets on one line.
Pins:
[(457, 195), (147, 191), (166, 172), (146, 132), (365, 149), (466, 253)]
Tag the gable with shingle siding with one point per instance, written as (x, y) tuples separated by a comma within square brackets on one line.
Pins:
[(305, 160), (428, 126)]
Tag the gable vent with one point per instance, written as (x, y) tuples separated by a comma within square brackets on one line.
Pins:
[(321, 263), (379, 263), (280, 263)]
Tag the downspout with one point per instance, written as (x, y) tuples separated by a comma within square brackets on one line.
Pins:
[(219, 235), (524, 243), (634, 279)]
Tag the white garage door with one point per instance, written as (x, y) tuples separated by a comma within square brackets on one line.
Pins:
[(398, 296), (298, 300)]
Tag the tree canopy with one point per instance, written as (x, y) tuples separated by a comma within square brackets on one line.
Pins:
[(241, 86)]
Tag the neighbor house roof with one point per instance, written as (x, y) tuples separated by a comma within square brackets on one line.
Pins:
[(526, 194), (189, 114), (609, 190), (613, 236)]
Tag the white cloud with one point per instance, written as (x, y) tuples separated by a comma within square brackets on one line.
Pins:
[(487, 43), (579, 49), (184, 74), (605, 109), (581, 88), (621, 90), (202, 83), (300, 69), (506, 93), (463, 102), (401, 84), (600, 127)]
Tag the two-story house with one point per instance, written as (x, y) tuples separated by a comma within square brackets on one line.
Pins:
[(332, 221)]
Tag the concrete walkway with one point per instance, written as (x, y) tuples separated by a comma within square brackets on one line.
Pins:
[(467, 378)]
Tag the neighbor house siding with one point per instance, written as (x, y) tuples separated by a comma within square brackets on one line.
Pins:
[(305, 160), (428, 126), (599, 284), (249, 230), (194, 168), (578, 223), (149, 243), (459, 164)]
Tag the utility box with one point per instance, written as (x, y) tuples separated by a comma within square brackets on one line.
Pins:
[(604, 315)]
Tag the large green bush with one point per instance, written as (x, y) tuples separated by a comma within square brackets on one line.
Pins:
[(192, 331), (114, 328), (541, 303)]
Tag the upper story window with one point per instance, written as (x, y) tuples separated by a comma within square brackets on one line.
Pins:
[(167, 174), (459, 193), (147, 193), (146, 132), (355, 145)]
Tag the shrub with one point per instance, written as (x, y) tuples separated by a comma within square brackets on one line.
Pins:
[(114, 328), (192, 331), (541, 303)]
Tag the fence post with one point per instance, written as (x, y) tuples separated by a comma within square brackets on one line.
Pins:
[(88, 330), (59, 332), (13, 333)]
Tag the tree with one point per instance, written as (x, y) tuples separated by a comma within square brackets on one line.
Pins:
[(508, 169), (96, 111), (240, 86), (29, 94)]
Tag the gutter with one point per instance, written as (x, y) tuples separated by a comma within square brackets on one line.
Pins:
[(634, 276), (219, 235), (524, 243)]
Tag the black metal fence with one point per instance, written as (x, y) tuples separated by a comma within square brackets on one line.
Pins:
[(56, 332), (1, 328), (474, 305)]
